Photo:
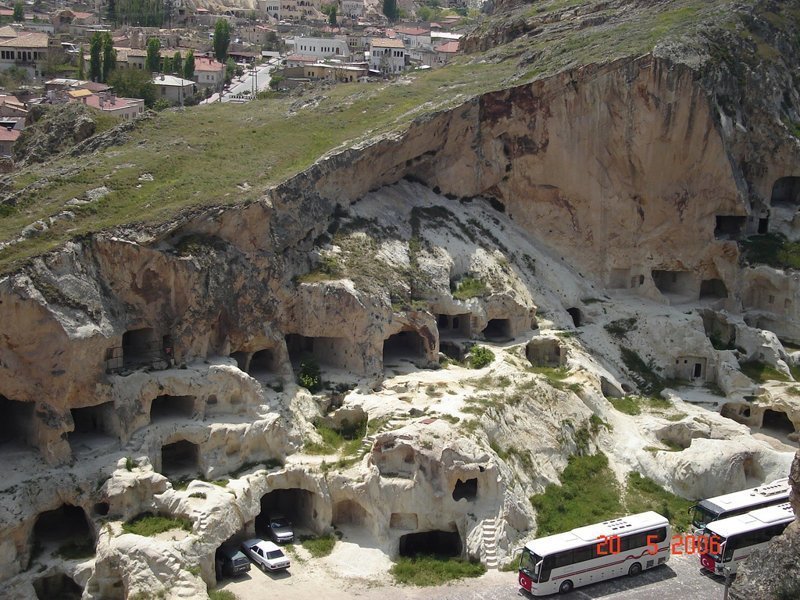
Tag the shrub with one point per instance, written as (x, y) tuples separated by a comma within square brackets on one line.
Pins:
[(761, 372), (433, 570), (221, 595), (149, 525), (200, 495), (470, 287), (309, 376), (644, 494), (480, 356)]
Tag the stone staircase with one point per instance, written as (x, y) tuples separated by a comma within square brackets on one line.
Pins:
[(394, 422), (489, 528)]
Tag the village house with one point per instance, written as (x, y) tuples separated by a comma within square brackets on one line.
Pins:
[(129, 58), (174, 90), (387, 55), (319, 47), (414, 37), (259, 35), (352, 8), (209, 73), (110, 104), (443, 53), (336, 72), (27, 50), (7, 139)]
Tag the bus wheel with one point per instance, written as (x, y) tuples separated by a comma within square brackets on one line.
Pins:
[(565, 588), (635, 569)]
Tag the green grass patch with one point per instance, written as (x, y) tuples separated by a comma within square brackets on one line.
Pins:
[(433, 570), (555, 375), (149, 525), (627, 404), (346, 440), (620, 327), (761, 372), (470, 287), (644, 494), (319, 546), (512, 565), (772, 249), (221, 595), (643, 373), (588, 493)]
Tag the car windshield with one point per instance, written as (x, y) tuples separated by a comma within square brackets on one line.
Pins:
[(279, 523), (528, 563), (275, 554), (703, 516)]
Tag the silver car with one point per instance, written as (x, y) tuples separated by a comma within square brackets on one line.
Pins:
[(280, 529)]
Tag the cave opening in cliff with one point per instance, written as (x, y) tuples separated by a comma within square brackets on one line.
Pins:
[(140, 347), (325, 351), (729, 227), (577, 316), (468, 490), (58, 586), (296, 504), (786, 190), (777, 420), (172, 407), (242, 359), (262, 363), (180, 458), (436, 543), (93, 424), (738, 412), (454, 325), (16, 423), (713, 289), (64, 525), (497, 330), (544, 353), (349, 512), (453, 350), (405, 345), (680, 283)]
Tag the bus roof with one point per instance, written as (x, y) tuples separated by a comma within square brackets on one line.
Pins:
[(775, 490), (590, 533), (755, 519)]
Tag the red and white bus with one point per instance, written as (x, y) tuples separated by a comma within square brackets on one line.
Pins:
[(739, 503), (735, 538), (624, 546)]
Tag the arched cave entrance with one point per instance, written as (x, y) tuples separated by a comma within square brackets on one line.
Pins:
[(64, 525), (180, 458), (498, 330), (786, 190), (140, 347), (172, 407), (57, 587), (242, 359), (262, 363), (544, 352), (577, 316), (93, 425), (296, 504), (437, 543), (466, 490), (405, 345), (326, 351), (713, 289), (16, 423), (349, 512), (777, 420), (674, 282)]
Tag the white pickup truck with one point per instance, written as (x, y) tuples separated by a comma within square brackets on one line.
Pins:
[(266, 555)]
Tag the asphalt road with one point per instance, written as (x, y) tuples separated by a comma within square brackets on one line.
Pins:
[(244, 84)]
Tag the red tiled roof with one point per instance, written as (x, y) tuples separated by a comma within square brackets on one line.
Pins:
[(201, 63), (386, 43), (120, 103), (448, 47), (9, 135), (412, 31)]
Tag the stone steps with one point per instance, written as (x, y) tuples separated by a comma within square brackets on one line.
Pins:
[(489, 533)]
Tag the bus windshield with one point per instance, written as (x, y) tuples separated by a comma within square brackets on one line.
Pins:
[(529, 563), (702, 516)]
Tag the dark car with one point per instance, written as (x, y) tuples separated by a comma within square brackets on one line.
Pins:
[(230, 562), (280, 530)]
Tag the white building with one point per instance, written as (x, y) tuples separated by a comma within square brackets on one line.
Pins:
[(28, 51), (352, 8), (319, 47), (386, 55), (174, 90)]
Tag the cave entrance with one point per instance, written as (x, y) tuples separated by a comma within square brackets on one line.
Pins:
[(577, 316), (93, 425), (452, 349), (326, 351), (691, 368), (786, 190), (498, 330), (242, 359), (467, 490), (172, 407), (65, 525), (713, 289), (16, 423), (777, 420), (405, 345), (454, 325), (349, 512), (180, 458), (58, 586), (674, 282), (729, 227), (763, 225), (738, 412), (544, 353), (262, 363), (140, 347), (438, 543), (296, 504)]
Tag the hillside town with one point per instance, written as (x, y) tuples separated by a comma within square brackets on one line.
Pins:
[(122, 58)]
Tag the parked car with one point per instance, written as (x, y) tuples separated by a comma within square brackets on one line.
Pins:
[(230, 562), (265, 554), (280, 529)]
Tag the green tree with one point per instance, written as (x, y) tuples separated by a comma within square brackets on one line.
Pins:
[(222, 39), (153, 63), (188, 66), (134, 83), (230, 70), (177, 64), (390, 9), (95, 57), (81, 64), (167, 67), (112, 11), (332, 15), (19, 12), (109, 56)]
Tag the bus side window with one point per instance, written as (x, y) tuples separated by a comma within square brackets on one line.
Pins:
[(659, 535), (562, 559), (624, 543), (547, 566), (582, 554), (731, 544)]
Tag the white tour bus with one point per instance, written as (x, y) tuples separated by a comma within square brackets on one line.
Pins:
[(738, 536), (738, 503), (558, 563)]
